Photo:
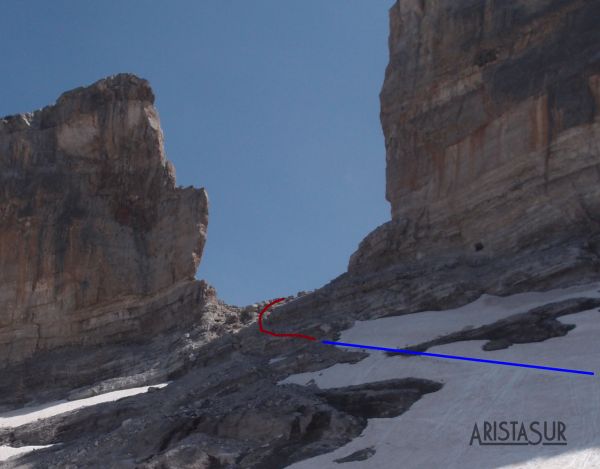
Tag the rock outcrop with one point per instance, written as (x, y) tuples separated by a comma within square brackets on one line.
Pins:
[(490, 112), (96, 241)]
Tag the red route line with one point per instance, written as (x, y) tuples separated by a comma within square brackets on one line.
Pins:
[(411, 352), (265, 331)]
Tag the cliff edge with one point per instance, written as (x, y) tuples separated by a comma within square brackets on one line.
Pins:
[(490, 112), (95, 237)]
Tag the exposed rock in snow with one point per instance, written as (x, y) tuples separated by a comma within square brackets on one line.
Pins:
[(25, 415), (19, 417), (436, 430)]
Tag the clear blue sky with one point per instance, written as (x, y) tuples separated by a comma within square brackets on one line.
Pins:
[(271, 105)]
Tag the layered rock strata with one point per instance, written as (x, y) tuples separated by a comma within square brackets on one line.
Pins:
[(477, 199), (492, 129), (96, 241)]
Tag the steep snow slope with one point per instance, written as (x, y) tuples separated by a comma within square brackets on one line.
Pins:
[(437, 429)]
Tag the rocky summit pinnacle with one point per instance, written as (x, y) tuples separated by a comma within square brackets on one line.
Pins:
[(93, 227)]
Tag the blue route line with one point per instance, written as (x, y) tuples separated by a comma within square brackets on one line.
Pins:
[(456, 357)]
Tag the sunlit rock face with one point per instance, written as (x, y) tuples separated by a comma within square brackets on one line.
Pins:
[(96, 241), (492, 130)]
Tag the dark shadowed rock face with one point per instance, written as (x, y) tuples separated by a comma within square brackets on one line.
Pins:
[(92, 226), (491, 123), (257, 425)]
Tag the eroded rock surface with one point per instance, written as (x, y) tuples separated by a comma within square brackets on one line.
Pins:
[(491, 124), (490, 117), (254, 424), (96, 241)]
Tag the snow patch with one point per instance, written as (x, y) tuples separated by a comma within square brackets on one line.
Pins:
[(8, 451), (436, 430), (26, 415)]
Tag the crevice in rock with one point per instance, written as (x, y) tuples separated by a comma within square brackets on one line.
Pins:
[(179, 431), (319, 422)]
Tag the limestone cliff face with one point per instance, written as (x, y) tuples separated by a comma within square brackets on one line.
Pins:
[(94, 234), (490, 111)]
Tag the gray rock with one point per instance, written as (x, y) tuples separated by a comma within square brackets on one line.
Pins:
[(491, 133), (94, 234)]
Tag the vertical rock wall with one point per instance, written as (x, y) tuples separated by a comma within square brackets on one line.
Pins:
[(492, 129), (92, 226)]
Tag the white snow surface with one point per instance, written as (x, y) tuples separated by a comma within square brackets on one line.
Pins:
[(18, 417), (8, 451), (435, 432)]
